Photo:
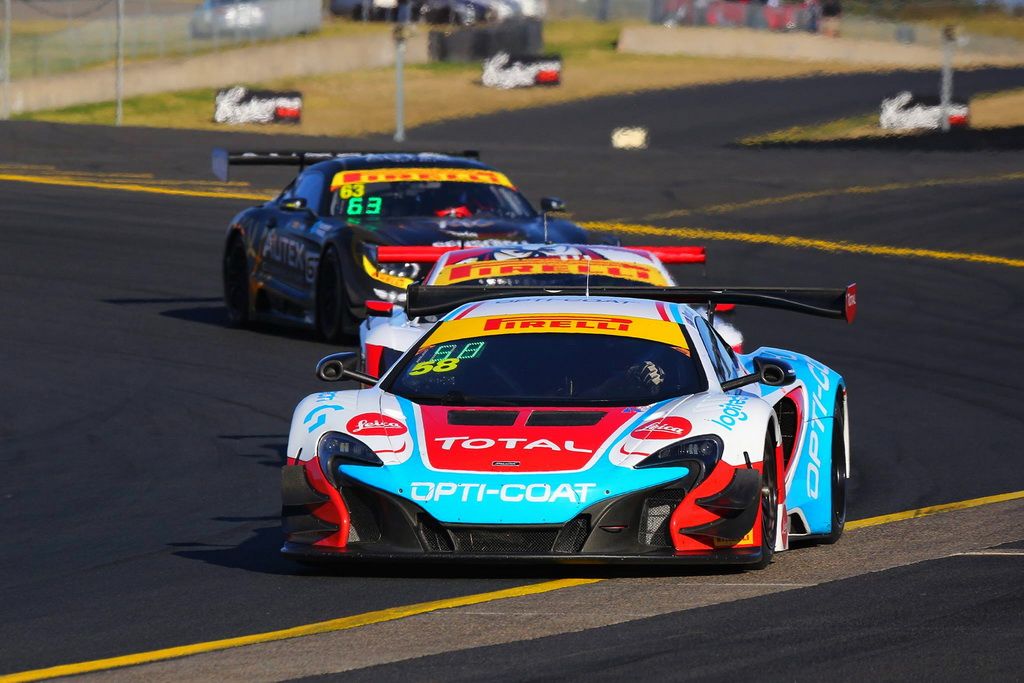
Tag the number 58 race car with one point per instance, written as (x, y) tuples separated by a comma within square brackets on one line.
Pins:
[(605, 425)]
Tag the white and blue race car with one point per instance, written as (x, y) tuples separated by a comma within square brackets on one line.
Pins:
[(606, 425), (387, 332)]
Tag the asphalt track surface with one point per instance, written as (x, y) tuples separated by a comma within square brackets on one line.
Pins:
[(141, 438)]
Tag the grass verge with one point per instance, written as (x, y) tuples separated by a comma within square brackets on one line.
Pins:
[(1001, 109), (362, 102)]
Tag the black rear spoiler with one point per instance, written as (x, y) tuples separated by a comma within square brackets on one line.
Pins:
[(829, 303), (223, 159)]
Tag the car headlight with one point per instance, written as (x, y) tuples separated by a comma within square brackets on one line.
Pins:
[(390, 295), (704, 451), (383, 272), (335, 450)]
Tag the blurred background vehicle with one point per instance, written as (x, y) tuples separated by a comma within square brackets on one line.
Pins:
[(254, 19)]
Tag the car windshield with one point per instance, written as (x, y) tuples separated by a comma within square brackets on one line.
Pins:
[(429, 199), (547, 369)]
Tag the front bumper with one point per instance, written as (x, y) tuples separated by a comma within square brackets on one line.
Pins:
[(633, 528)]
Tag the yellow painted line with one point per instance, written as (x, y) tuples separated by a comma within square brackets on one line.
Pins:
[(394, 613), (329, 626), (795, 242), (67, 181), (934, 510), (837, 192)]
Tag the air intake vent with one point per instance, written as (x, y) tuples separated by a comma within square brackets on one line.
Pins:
[(654, 524), (564, 418), (491, 418), (573, 535), (504, 541)]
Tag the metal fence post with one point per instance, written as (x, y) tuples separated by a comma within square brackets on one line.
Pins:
[(948, 43), (119, 66), (400, 35), (6, 112)]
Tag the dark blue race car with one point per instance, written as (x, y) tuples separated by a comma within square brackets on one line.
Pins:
[(309, 256)]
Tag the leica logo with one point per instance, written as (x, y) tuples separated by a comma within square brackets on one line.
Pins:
[(664, 428), (375, 424)]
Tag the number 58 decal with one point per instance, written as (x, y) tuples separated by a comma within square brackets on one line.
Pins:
[(446, 365)]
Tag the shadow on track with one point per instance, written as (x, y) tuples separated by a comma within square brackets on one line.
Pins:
[(261, 553)]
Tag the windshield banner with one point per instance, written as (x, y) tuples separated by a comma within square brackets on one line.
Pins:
[(576, 323), (635, 272), (420, 175)]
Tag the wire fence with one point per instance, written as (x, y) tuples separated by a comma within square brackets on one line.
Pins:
[(41, 47), (57, 36)]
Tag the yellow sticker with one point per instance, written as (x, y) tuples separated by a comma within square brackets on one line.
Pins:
[(478, 270), (386, 278), (573, 323), (746, 540), (415, 175)]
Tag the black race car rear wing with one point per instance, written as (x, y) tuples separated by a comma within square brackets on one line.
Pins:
[(829, 303), (223, 159)]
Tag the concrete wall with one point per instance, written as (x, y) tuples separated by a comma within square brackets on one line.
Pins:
[(256, 64), (742, 42)]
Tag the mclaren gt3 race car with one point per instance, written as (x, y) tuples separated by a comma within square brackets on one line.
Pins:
[(388, 331), (307, 257), (566, 428)]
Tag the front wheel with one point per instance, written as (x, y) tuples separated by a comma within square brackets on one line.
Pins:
[(840, 444), (333, 319), (236, 283), (769, 503)]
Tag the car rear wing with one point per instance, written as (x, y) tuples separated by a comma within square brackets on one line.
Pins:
[(387, 254), (829, 303), (223, 159)]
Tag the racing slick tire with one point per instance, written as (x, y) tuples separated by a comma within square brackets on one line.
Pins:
[(769, 504), (839, 474), (236, 283), (334, 321)]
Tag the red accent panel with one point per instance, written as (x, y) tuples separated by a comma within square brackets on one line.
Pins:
[(724, 308), (411, 254), (850, 311), (374, 352), (380, 308), (465, 312), (474, 448), (548, 77), (333, 511), (676, 254), (799, 400), (661, 310)]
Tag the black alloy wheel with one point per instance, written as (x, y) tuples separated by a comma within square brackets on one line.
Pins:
[(333, 319), (838, 469), (236, 283)]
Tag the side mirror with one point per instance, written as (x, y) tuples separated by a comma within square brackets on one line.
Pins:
[(552, 205), (294, 204), (339, 366), (772, 372)]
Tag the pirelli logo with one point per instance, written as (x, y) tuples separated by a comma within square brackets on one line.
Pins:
[(413, 175), (539, 323), (480, 270), (565, 323)]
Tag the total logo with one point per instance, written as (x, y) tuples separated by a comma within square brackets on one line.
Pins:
[(427, 491), (664, 428), (518, 443), (732, 412), (375, 424)]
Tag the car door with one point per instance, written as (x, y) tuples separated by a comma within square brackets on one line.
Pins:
[(290, 246)]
